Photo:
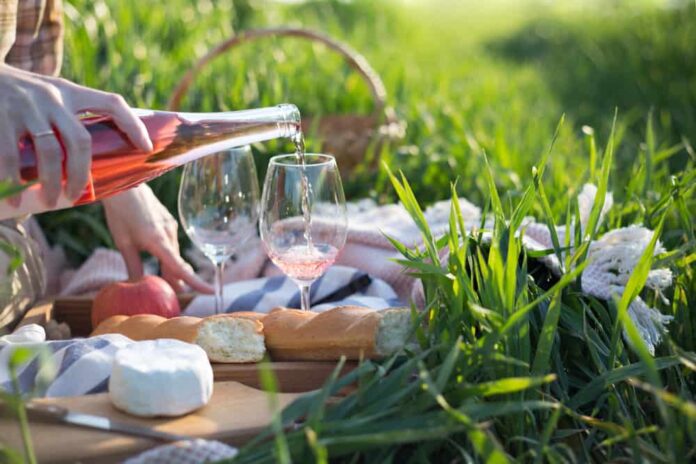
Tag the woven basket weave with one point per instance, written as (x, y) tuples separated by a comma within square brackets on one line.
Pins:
[(352, 138)]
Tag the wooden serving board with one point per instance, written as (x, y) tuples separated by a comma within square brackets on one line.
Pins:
[(235, 414), (292, 376)]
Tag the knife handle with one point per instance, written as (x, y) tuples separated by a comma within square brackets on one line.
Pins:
[(45, 412)]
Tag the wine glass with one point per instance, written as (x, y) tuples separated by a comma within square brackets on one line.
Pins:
[(219, 206), (303, 229)]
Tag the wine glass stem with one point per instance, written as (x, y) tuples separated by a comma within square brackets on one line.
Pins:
[(304, 297), (220, 266)]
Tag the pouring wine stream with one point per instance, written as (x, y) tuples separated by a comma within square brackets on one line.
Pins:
[(298, 140), (301, 253)]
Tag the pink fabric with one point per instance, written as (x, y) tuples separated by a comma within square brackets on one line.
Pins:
[(103, 267), (366, 249)]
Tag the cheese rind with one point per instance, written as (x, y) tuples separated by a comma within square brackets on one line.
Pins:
[(160, 378)]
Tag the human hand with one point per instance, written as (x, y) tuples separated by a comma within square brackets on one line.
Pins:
[(43, 107), (138, 221)]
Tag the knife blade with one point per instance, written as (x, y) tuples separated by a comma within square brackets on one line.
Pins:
[(53, 413)]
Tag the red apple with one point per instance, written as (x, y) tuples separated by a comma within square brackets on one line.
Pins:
[(149, 295)]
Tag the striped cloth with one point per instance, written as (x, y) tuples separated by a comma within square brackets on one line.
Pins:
[(185, 452), (340, 285), (83, 366)]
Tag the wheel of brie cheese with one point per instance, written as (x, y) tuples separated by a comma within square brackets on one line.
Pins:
[(160, 378)]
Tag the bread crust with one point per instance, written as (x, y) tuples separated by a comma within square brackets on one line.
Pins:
[(184, 328), (289, 334), (349, 331), (254, 316), (107, 325)]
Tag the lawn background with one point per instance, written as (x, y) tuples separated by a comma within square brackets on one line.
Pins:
[(466, 77), (513, 362)]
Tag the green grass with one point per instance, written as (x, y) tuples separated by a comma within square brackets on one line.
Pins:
[(508, 369), (465, 77)]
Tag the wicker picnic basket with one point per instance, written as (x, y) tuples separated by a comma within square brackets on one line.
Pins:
[(353, 138)]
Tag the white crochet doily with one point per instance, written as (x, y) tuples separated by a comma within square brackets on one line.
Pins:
[(612, 259)]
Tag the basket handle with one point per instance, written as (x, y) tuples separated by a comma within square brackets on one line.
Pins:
[(353, 58)]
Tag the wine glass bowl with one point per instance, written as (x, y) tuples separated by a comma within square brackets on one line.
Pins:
[(303, 234), (219, 206)]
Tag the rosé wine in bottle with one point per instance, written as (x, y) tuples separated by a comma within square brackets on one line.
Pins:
[(305, 264), (177, 138)]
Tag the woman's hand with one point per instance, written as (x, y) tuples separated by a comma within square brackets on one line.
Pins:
[(138, 221), (42, 106)]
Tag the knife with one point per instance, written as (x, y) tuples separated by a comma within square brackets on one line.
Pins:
[(354, 286), (58, 414)]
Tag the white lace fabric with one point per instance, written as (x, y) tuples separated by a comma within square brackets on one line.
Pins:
[(612, 259)]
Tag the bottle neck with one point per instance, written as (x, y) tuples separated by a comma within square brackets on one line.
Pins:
[(286, 116), (200, 134)]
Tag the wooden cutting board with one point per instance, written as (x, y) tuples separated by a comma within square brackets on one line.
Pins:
[(292, 376), (235, 414)]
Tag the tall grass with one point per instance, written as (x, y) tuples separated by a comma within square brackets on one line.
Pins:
[(451, 69), (513, 363), (510, 367)]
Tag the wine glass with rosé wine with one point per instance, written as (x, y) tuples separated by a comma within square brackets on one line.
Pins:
[(303, 221), (219, 206)]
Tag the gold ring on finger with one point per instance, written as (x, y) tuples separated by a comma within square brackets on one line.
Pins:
[(42, 134)]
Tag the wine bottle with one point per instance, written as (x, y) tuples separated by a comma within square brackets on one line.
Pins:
[(177, 138)]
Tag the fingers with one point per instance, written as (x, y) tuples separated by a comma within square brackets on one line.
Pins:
[(49, 153), (169, 274), (9, 160), (37, 108), (173, 281), (174, 268), (78, 144), (134, 264), (137, 217), (194, 281), (177, 268), (189, 276), (126, 120), (86, 99)]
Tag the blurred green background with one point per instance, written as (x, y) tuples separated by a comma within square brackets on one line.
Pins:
[(467, 77)]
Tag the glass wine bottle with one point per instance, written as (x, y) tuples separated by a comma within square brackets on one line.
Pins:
[(177, 138)]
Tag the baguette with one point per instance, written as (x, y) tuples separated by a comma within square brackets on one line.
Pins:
[(350, 331), (228, 338), (289, 334)]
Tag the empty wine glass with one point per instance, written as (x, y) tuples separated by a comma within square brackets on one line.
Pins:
[(303, 245), (218, 206)]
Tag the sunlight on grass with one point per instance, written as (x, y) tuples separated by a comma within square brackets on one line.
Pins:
[(514, 361)]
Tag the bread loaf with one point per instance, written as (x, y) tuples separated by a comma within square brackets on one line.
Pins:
[(290, 334), (229, 338), (349, 331)]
